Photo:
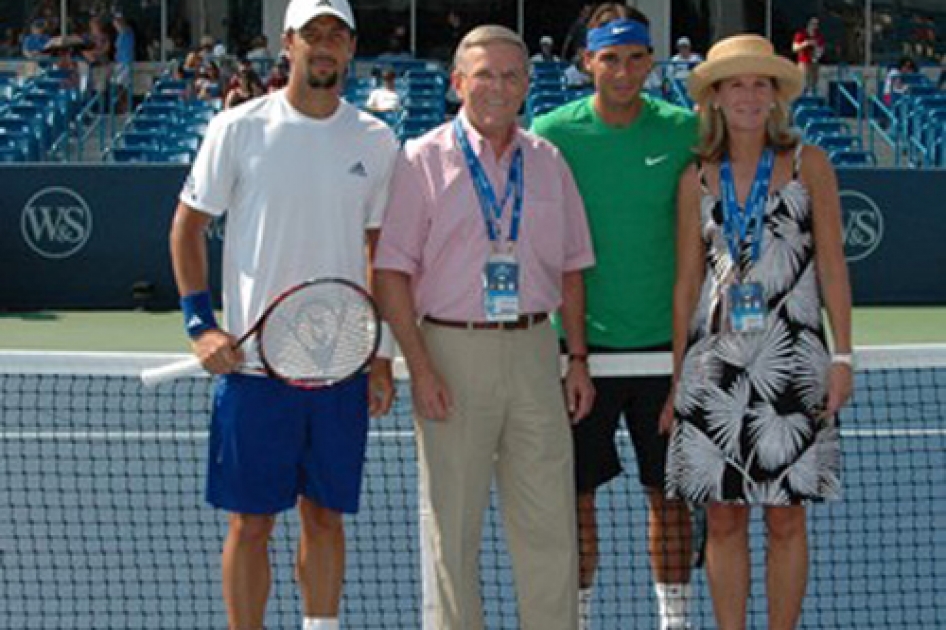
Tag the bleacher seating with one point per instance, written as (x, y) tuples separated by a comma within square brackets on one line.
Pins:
[(853, 158), (167, 126), (422, 90), (37, 113)]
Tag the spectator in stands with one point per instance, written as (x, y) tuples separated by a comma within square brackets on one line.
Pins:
[(123, 71), (545, 53), (385, 97), (247, 86), (627, 150), (894, 85), (200, 55), (278, 75), (61, 49), (100, 44), (575, 74), (259, 49), (684, 61), (469, 305), (577, 33), (35, 42), (808, 46), (756, 428), (207, 82), (10, 45), (99, 55)]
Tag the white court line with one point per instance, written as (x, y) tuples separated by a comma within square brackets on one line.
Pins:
[(196, 436), (143, 436)]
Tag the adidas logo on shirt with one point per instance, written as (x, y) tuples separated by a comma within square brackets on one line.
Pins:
[(358, 169)]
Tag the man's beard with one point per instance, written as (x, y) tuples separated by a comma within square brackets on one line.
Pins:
[(324, 83)]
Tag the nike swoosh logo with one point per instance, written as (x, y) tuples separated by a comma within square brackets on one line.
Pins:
[(654, 161)]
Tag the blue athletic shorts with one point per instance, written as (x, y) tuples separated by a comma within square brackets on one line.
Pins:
[(271, 443)]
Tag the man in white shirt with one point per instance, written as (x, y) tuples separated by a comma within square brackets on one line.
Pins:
[(302, 177), (545, 53), (684, 61), (385, 98)]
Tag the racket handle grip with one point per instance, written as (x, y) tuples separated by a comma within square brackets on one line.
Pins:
[(186, 367)]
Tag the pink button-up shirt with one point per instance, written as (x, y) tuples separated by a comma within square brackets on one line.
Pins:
[(434, 229)]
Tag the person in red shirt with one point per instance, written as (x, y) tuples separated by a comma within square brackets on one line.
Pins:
[(808, 46)]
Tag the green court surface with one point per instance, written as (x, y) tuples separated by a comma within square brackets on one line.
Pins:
[(162, 332)]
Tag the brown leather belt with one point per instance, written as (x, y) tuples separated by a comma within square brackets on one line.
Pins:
[(525, 321)]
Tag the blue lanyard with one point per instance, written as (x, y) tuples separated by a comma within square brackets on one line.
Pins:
[(736, 223), (492, 210)]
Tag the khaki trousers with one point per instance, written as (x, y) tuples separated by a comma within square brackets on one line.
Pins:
[(508, 420)]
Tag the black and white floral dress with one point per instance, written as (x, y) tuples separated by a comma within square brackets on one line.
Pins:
[(746, 404)]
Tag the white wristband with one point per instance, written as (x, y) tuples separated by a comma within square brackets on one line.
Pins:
[(843, 358)]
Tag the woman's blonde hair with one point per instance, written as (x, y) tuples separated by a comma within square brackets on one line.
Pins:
[(714, 136)]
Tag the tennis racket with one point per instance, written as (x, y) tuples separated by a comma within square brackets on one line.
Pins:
[(315, 334)]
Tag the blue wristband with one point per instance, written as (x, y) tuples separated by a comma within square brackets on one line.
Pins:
[(198, 313)]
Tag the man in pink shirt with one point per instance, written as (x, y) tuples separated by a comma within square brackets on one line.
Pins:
[(484, 236)]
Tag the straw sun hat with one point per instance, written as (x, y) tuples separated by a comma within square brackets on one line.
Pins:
[(744, 54)]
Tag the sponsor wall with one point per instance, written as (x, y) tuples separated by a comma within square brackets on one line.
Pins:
[(95, 237), (88, 237)]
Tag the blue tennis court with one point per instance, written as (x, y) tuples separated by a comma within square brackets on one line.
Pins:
[(103, 484)]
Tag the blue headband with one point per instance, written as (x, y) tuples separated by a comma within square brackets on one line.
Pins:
[(617, 32)]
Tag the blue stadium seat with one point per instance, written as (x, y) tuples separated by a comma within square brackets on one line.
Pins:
[(424, 104), (826, 127), (39, 122), (167, 97), (10, 154), (421, 75), (177, 85), (810, 101), (159, 110), (19, 134), (141, 139), (837, 142), (542, 102), (136, 154), (805, 114), (177, 155), (148, 123), (181, 141), (853, 158)]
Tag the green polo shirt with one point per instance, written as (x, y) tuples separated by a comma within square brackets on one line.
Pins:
[(628, 181)]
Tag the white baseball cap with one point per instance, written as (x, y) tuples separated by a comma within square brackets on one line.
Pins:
[(683, 41), (547, 40), (301, 12)]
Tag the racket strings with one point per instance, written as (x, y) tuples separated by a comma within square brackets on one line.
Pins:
[(320, 333)]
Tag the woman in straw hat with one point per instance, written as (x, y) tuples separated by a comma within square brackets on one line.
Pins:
[(759, 253)]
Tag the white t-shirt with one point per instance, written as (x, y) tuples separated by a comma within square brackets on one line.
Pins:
[(574, 77), (679, 68), (298, 193), (382, 99)]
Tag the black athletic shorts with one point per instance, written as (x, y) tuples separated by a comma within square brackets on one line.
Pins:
[(639, 400)]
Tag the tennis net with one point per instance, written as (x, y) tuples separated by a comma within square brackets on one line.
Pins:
[(103, 523)]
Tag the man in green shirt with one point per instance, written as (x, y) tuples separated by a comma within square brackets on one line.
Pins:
[(627, 152)]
